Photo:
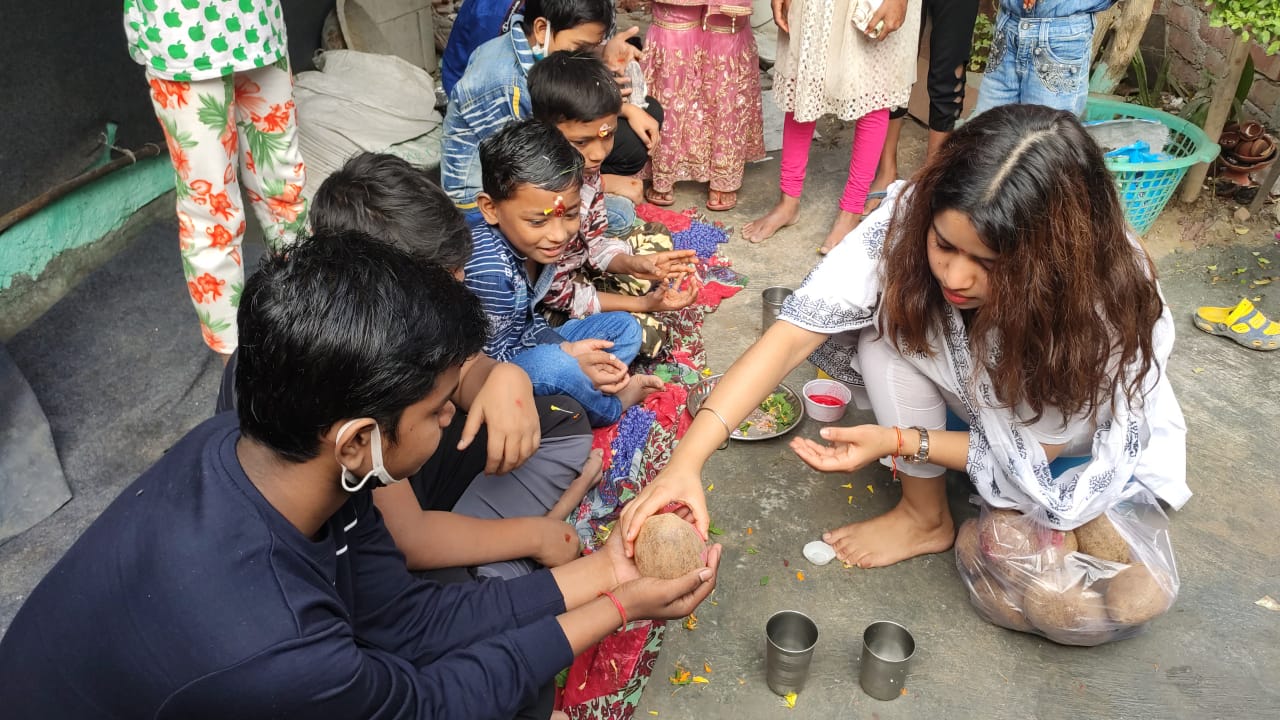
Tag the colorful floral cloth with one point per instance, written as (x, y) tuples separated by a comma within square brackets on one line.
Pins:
[(188, 40), (606, 681)]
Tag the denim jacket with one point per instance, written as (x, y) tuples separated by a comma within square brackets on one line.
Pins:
[(492, 92), (1054, 8)]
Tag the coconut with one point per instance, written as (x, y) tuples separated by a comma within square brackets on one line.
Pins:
[(1099, 538), (1135, 596), (968, 547), (1005, 534), (1055, 545), (997, 604), (1071, 616), (668, 547)]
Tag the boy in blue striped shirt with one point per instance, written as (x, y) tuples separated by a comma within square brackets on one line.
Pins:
[(532, 179)]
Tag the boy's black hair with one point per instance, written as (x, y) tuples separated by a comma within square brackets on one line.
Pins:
[(529, 152), (574, 86), (566, 14), (341, 325), (388, 198)]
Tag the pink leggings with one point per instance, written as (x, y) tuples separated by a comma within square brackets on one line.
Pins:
[(868, 141)]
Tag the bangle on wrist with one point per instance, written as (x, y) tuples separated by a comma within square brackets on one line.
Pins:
[(617, 605), (719, 417)]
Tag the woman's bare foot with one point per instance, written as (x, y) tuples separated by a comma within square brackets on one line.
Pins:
[(893, 537), (844, 224), (640, 387), (785, 213)]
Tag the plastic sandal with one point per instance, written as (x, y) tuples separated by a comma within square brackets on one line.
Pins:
[(878, 196), (661, 199), (1242, 323), (723, 205)]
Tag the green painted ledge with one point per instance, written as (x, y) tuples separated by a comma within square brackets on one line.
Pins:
[(81, 218)]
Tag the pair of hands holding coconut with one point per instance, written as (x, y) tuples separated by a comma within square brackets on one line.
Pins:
[(607, 584), (853, 448), (744, 385)]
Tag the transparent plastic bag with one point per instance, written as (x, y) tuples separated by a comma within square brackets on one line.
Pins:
[(1101, 582), (635, 77)]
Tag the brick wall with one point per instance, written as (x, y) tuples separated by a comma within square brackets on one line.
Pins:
[(1194, 48)]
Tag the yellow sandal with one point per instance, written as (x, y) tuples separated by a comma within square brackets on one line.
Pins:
[(1242, 323)]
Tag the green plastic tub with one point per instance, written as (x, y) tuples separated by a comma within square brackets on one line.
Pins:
[(1145, 188)]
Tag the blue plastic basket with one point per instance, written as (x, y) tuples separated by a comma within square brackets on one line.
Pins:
[(1145, 188)]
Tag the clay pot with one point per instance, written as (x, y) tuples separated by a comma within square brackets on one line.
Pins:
[(1252, 131), (1250, 152), (1237, 165), (1229, 140)]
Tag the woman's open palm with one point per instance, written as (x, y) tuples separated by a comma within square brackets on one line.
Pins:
[(851, 448)]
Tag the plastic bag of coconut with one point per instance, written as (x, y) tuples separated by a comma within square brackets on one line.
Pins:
[(1103, 581)]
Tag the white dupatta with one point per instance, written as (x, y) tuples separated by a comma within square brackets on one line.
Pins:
[(1143, 442)]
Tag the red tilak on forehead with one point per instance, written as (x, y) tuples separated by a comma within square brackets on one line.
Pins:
[(558, 209), (604, 130)]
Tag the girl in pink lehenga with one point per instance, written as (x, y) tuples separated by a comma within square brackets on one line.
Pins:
[(701, 64)]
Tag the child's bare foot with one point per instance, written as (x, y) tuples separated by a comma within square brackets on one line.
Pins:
[(640, 387), (592, 469), (785, 213), (844, 224), (592, 474), (627, 186), (893, 537)]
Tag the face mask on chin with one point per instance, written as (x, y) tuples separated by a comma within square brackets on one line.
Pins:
[(350, 482)]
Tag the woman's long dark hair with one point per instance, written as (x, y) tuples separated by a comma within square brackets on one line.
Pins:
[(1072, 302)]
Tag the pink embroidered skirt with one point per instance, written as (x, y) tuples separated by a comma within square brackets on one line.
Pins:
[(708, 81)]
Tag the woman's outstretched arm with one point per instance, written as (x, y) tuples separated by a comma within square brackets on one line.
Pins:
[(747, 382)]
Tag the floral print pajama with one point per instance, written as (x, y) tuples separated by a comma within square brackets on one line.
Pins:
[(238, 127)]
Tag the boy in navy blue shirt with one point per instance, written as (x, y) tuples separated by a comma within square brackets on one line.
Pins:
[(248, 575), (511, 466), (531, 207)]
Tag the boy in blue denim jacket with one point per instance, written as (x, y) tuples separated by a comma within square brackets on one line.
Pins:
[(493, 91), (531, 206), (1040, 54)]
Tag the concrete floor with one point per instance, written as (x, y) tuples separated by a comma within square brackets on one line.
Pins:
[(121, 372), (1215, 655)]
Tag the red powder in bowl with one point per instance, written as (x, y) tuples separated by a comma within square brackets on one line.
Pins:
[(827, 400)]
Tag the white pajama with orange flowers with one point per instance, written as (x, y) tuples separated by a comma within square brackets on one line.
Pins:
[(240, 127)]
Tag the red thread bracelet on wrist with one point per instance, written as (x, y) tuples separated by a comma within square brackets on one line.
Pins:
[(618, 605), (893, 459)]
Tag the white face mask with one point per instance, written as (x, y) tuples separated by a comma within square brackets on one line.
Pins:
[(350, 482), (544, 49)]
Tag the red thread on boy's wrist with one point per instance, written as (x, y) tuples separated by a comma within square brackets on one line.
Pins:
[(616, 604)]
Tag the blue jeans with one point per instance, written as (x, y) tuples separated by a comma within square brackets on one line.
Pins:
[(622, 215), (1038, 61), (555, 372)]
